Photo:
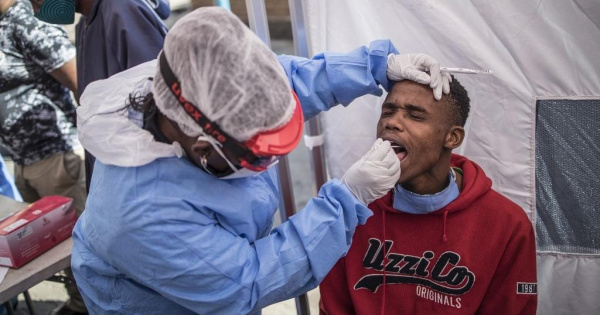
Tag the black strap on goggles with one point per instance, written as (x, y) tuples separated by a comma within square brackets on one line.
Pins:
[(210, 128)]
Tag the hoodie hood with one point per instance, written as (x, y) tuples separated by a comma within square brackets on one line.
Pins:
[(112, 132), (474, 184)]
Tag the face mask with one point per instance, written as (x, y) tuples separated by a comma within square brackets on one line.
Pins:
[(244, 172), (409, 202), (57, 11)]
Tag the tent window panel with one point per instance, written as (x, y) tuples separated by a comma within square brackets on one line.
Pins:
[(568, 176)]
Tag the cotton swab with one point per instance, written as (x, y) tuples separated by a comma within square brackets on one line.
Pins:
[(466, 70)]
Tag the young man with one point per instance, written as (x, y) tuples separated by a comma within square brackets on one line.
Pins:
[(441, 242)]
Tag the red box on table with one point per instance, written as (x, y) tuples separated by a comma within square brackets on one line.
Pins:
[(27, 231)]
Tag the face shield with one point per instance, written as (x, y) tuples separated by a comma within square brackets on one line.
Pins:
[(252, 156)]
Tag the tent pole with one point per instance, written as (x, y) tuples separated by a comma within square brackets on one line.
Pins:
[(257, 18), (301, 48)]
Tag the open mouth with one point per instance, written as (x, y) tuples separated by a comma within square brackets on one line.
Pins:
[(399, 150), (397, 146)]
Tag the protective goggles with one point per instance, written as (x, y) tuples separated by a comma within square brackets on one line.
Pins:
[(256, 154)]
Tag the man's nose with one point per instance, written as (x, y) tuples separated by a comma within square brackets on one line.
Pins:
[(395, 122)]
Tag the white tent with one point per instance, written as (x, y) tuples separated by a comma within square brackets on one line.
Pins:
[(544, 55)]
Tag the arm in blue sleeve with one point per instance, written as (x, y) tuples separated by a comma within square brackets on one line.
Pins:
[(7, 184), (134, 32), (210, 270), (331, 78)]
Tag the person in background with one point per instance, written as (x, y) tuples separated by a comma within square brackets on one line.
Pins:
[(111, 36), (181, 204), (443, 241), (37, 112)]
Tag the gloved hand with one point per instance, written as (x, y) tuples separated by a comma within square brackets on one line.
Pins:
[(413, 66), (371, 177)]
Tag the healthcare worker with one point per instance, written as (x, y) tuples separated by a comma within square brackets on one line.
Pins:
[(179, 216)]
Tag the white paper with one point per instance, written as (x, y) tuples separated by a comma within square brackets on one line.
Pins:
[(3, 271)]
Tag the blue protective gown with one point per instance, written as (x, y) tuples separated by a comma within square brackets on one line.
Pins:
[(167, 238)]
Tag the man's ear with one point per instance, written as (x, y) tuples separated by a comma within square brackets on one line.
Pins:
[(454, 137)]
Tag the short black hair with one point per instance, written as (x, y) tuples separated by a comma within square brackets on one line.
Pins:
[(458, 98)]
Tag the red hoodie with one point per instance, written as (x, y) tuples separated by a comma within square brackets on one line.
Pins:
[(476, 255)]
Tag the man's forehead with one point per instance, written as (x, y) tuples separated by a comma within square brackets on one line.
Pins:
[(410, 92)]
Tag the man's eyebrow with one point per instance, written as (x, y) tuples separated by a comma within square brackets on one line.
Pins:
[(415, 108), (389, 105)]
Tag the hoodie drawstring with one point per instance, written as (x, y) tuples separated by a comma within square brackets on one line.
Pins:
[(444, 238), (384, 262)]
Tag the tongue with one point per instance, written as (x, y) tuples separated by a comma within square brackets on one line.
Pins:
[(401, 155)]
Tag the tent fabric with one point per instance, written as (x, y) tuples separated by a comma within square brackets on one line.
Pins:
[(570, 284), (537, 50), (568, 176)]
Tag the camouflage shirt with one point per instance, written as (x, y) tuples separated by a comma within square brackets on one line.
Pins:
[(36, 111)]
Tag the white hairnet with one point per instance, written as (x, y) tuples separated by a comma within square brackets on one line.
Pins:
[(227, 72)]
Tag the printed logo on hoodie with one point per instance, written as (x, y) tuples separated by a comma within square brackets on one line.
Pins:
[(443, 274)]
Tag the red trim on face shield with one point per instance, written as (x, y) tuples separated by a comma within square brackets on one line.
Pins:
[(271, 144), (282, 140)]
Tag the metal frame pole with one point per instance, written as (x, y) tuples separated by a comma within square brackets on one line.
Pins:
[(301, 48), (287, 208), (257, 18)]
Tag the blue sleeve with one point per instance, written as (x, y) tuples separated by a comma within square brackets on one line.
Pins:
[(7, 184), (331, 78), (135, 33), (207, 269)]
